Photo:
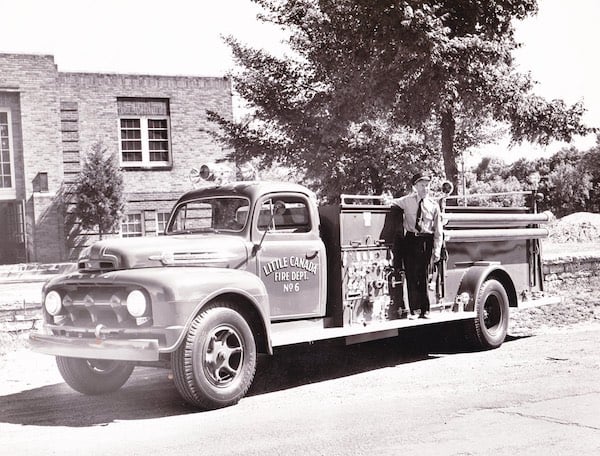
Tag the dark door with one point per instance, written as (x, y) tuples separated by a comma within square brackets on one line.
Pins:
[(12, 233)]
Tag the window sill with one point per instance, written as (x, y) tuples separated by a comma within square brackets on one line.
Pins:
[(147, 168), (8, 194)]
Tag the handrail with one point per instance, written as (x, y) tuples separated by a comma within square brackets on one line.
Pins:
[(485, 195), (382, 200), (469, 219), (379, 200)]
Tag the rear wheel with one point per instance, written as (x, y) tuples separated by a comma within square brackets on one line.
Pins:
[(491, 308), (215, 365), (94, 376)]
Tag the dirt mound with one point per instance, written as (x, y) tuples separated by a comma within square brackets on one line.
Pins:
[(576, 227), (581, 217)]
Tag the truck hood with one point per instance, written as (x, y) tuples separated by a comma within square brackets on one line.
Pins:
[(183, 250)]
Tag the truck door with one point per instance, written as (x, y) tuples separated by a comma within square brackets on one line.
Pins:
[(291, 261)]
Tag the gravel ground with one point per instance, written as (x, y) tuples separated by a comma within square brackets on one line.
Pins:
[(580, 305)]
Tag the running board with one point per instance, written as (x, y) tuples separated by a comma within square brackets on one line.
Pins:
[(306, 331)]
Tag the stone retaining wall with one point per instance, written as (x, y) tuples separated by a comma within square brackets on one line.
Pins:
[(19, 317), (566, 270)]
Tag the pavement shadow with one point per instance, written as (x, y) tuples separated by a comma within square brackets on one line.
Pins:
[(311, 363), (150, 393), (291, 367), (514, 337)]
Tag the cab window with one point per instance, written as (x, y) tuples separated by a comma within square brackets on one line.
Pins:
[(210, 215), (295, 218)]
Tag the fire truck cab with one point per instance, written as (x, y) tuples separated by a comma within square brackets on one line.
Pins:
[(247, 267)]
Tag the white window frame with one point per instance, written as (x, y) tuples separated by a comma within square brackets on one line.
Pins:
[(145, 140), (159, 231), (9, 193), (126, 221)]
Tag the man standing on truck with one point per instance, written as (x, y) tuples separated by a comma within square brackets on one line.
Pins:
[(423, 239)]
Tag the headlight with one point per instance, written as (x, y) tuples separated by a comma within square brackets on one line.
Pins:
[(136, 303), (53, 303)]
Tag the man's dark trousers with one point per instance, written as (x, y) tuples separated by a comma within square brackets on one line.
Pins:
[(417, 254)]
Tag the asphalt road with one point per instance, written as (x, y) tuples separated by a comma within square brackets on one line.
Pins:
[(534, 395)]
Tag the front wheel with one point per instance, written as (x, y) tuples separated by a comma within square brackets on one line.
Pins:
[(94, 376), (215, 365), (491, 320)]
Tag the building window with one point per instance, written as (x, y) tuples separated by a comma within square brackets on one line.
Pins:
[(7, 181), (161, 222), (131, 226), (144, 132)]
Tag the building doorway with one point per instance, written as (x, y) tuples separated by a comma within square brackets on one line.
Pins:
[(12, 232)]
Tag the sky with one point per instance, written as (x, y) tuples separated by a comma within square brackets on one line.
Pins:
[(184, 37)]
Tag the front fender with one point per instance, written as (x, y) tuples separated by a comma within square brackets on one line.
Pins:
[(188, 290), (177, 294), (244, 287), (475, 276)]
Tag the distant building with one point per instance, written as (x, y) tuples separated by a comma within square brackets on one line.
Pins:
[(50, 119)]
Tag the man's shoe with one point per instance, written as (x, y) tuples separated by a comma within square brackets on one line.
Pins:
[(423, 315)]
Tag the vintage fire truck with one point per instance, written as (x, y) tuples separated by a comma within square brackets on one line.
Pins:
[(247, 267)]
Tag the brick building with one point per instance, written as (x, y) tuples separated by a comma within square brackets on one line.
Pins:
[(50, 119)]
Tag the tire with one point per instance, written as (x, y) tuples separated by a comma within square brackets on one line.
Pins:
[(491, 321), (215, 364), (94, 376)]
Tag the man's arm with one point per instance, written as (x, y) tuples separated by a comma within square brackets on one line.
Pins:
[(438, 234)]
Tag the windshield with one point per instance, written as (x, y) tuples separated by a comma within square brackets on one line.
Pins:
[(206, 215)]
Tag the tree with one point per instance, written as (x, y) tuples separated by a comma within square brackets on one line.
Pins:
[(570, 178), (428, 72), (497, 185), (490, 168), (523, 168), (570, 187), (98, 191), (591, 163)]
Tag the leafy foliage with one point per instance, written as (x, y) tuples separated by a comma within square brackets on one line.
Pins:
[(373, 90), (99, 191), (569, 187), (497, 185), (591, 163), (570, 179)]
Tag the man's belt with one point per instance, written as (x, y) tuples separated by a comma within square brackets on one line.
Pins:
[(413, 234)]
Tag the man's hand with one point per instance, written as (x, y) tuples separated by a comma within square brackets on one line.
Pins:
[(436, 257), (387, 198)]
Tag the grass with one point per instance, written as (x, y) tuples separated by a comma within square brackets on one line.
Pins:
[(10, 342)]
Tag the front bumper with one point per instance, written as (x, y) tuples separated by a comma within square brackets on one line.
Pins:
[(114, 349)]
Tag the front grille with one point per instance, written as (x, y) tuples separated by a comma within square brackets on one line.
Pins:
[(87, 307)]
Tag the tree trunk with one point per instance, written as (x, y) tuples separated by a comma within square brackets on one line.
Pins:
[(376, 182), (448, 126)]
